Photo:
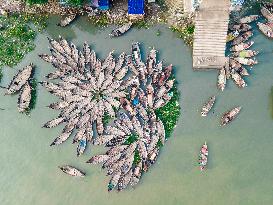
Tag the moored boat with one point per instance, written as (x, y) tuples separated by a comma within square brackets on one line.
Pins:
[(242, 46), (245, 53), (249, 19), (72, 171), (244, 37), (67, 20), (230, 116), (121, 30), (207, 106), (267, 14), (246, 61), (24, 98), (241, 27), (203, 157), (239, 81), (136, 53), (265, 29), (222, 79)]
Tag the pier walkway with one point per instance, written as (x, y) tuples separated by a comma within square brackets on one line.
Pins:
[(211, 25)]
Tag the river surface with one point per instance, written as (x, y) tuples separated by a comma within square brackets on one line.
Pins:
[(240, 158)]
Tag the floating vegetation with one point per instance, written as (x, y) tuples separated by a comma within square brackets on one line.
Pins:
[(101, 20), (184, 32), (22, 83), (142, 24), (17, 37)]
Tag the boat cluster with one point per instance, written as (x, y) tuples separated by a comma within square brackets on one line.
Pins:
[(21, 83), (127, 89), (267, 12), (240, 56)]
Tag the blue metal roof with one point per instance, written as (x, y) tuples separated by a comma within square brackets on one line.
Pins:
[(104, 4), (135, 6)]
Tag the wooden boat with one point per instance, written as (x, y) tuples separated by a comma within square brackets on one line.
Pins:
[(24, 98), (249, 19), (121, 30), (136, 52), (265, 29), (267, 14), (230, 116), (245, 53), (268, 5), (207, 106), (67, 20), (246, 61), (203, 157), (242, 46), (239, 81), (244, 37), (232, 35), (19, 80), (237, 67), (241, 27), (222, 79), (72, 171)]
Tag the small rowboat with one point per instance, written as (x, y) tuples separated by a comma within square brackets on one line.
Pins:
[(249, 19), (245, 53), (246, 61), (207, 106), (121, 30), (67, 20), (242, 46), (244, 37), (203, 157), (222, 79), (239, 81), (72, 171), (267, 14), (265, 29), (230, 116)]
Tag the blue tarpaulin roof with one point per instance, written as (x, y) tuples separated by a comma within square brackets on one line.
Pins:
[(135, 6), (104, 4)]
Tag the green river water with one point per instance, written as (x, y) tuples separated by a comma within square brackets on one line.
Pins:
[(240, 169)]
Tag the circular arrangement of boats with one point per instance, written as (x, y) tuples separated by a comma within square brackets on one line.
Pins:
[(127, 89)]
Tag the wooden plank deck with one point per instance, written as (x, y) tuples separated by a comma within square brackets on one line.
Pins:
[(211, 25)]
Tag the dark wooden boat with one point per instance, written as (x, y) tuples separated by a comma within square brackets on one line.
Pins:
[(203, 157), (66, 20), (230, 115), (121, 30), (72, 171)]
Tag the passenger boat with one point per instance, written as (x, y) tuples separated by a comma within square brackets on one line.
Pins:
[(121, 30), (230, 116), (246, 61), (242, 46), (241, 27), (72, 171), (267, 14), (249, 19), (203, 157), (207, 106), (222, 79), (67, 20), (245, 53), (239, 81), (265, 29), (244, 37)]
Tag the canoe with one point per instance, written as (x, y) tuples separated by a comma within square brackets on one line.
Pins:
[(246, 61), (242, 46), (24, 98), (222, 79), (267, 14), (67, 20), (249, 19), (72, 171), (239, 81), (244, 37), (121, 30), (265, 29), (245, 53), (19, 80), (230, 116), (241, 27), (203, 157), (207, 106)]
